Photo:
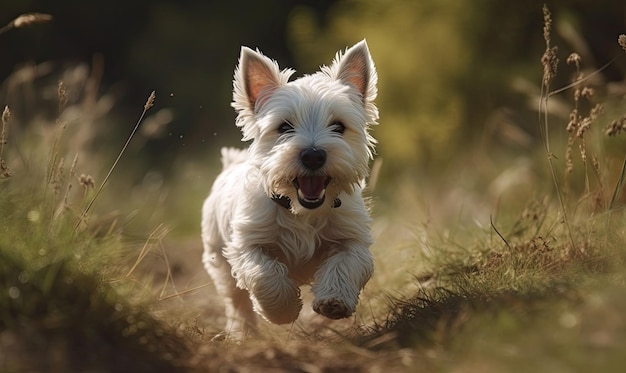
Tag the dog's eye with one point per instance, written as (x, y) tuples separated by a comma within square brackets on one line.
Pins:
[(338, 127), (285, 127)]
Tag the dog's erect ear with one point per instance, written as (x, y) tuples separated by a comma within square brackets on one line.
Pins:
[(259, 74), (256, 78), (356, 68)]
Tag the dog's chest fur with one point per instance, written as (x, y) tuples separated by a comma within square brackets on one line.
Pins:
[(302, 243)]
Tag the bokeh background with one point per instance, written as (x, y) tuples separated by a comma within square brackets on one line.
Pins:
[(458, 80)]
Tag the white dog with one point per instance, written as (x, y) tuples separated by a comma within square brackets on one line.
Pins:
[(288, 210)]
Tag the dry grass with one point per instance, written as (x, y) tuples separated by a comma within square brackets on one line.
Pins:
[(146, 107)]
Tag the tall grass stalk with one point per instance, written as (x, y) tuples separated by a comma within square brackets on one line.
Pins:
[(550, 62), (6, 116), (149, 103), (618, 185), (614, 128)]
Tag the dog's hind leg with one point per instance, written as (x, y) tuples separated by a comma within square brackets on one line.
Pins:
[(241, 319)]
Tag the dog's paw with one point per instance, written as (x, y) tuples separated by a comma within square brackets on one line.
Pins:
[(283, 308), (286, 314), (332, 308)]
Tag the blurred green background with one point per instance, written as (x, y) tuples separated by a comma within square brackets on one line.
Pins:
[(458, 80)]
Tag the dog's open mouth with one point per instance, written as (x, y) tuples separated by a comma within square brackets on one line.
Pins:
[(311, 190)]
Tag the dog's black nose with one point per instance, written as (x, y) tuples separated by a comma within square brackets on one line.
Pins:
[(313, 158)]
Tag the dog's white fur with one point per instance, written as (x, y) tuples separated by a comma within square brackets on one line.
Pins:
[(259, 251)]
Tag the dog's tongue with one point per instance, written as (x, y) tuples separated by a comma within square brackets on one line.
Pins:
[(312, 187)]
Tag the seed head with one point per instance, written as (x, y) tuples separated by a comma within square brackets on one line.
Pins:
[(62, 95), (31, 18), (6, 115), (150, 101), (616, 126), (549, 60), (547, 23), (86, 181), (573, 58), (621, 40), (587, 92)]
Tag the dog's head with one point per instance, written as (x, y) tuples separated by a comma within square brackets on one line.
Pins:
[(310, 137)]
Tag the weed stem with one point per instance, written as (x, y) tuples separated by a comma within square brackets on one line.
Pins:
[(147, 106)]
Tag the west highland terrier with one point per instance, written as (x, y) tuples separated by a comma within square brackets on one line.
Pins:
[(289, 211)]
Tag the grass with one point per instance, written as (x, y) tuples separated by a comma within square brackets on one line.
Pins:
[(60, 310), (536, 287)]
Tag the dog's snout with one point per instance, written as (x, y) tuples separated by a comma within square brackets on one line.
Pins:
[(313, 158)]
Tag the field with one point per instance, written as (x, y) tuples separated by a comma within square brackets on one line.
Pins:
[(507, 261)]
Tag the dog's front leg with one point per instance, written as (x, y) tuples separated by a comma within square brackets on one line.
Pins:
[(340, 279), (274, 295)]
